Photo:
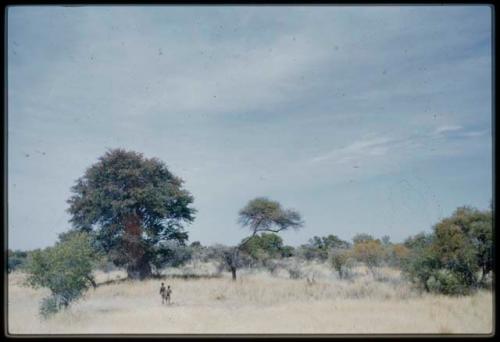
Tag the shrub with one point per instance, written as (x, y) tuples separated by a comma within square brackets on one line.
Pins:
[(65, 269), (446, 282), (369, 252), (341, 261), (456, 258), (49, 306), (170, 254), (16, 260), (295, 271), (397, 254), (319, 248)]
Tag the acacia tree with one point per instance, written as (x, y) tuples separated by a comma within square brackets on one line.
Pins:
[(262, 215), (133, 205)]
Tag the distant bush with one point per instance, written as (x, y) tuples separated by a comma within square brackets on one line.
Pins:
[(359, 238), (396, 254), (370, 252), (319, 248), (16, 260), (342, 261), (295, 271), (171, 254)]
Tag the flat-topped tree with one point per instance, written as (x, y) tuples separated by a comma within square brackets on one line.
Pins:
[(133, 205), (263, 215)]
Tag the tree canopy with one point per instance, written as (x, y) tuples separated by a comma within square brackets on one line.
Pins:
[(264, 215)]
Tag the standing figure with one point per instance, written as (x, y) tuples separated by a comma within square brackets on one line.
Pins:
[(163, 293), (167, 296)]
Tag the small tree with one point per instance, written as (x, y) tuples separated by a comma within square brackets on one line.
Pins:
[(341, 261), (397, 254), (362, 238), (263, 215), (65, 269), (386, 240), (370, 252)]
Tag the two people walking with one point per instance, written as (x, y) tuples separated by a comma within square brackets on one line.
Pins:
[(165, 293)]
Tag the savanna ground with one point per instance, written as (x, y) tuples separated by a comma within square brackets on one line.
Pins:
[(258, 302)]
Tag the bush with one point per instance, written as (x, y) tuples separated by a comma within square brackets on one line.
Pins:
[(397, 254), (445, 282), (370, 252), (49, 306), (456, 258), (171, 254), (295, 272), (420, 266), (65, 269), (341, 261), (265, 247), (319, 248), (16, 260)]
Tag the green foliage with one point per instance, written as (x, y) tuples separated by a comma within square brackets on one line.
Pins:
[(65, 269), (171, 254), (342, 261), (133, 205), (418, 241), (287, 251), (358, 238), (264, 247), (319, 248), (49, 306), (328, 242), (446, 282), (262, 214), (16, 260), (449, 261), (420, 265), (386, 240)]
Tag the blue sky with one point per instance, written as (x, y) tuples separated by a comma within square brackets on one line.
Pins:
[(364, 119)]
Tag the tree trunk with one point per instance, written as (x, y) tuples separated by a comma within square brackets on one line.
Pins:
[(139, 269), (233, 272), (92, 281), (138, 266)]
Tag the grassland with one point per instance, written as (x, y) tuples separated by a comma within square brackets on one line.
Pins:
[(258, 302)]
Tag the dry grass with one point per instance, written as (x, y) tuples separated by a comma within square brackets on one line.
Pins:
[(257, 303)]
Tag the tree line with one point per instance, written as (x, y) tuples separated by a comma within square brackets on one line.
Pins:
[(130, 211)]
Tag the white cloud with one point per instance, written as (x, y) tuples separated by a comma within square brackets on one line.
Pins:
[(357, 150), (450, 128)]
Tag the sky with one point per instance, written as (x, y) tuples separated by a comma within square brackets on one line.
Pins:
[(364, 119)]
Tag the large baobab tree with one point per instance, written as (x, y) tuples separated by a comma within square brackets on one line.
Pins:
[(132, 205)]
